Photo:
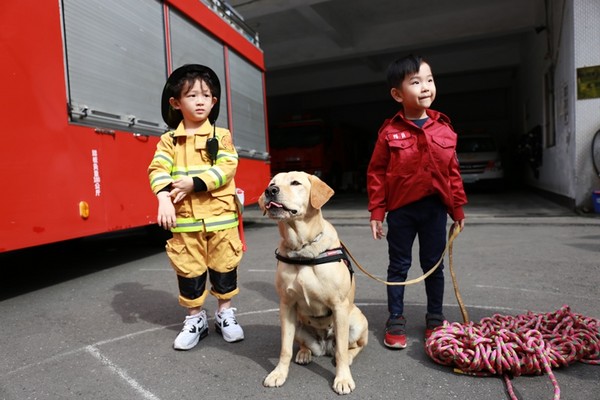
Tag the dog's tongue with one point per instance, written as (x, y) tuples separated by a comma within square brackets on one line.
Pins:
[(273, 204)]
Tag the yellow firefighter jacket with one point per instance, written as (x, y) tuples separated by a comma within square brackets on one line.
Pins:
[(178, 155)]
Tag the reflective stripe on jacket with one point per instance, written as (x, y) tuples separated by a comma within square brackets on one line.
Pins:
[(218, 223), (178, 155)]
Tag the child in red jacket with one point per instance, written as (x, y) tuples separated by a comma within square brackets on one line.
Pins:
[(414, 176)]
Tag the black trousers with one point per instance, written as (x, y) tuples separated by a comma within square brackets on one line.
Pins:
[(425, 218)]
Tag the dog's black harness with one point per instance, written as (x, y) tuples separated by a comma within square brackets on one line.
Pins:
[(327, 256)]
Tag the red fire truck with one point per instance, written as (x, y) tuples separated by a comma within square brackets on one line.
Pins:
[(81, 85)]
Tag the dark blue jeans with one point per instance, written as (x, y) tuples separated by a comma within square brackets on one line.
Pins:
[(426, 218)]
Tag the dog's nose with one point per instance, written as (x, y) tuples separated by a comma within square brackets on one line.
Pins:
[(272, 191)]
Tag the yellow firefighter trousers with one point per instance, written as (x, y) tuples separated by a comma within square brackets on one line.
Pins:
[(197, 255)]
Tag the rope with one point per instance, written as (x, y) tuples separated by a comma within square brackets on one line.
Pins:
[(451, 236), (528, 344), (461, 305)]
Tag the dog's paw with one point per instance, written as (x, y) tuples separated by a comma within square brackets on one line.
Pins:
[(303, 357), (275, 379), (343, 385)]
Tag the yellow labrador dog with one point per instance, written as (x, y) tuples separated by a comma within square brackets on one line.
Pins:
[(316, 299)]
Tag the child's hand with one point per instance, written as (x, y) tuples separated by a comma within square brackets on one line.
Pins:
[(181, 188), (460, 225), (377, 229), (166, 212)]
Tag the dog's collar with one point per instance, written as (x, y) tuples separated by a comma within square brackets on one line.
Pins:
[(327, 256)]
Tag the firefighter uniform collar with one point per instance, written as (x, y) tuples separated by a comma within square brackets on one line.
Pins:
[(204, 130)]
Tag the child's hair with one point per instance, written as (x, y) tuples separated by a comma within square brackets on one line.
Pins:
[(188, 80), (183, 79), (402, 67)]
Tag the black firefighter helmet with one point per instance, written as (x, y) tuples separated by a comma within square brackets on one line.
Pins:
[(173, 117)]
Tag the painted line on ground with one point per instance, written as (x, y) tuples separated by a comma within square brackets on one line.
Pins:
[(265, 311), (121, 372)]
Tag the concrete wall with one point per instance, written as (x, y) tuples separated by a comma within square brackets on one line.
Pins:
[(539, 57), (587, 112), (569, 42)]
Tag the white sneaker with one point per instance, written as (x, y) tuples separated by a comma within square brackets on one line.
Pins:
[(227, 325), (195, 327)]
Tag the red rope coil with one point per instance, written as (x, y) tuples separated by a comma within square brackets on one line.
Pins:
[(528, 344)]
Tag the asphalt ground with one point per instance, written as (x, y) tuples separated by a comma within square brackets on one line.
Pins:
[(95, 318)]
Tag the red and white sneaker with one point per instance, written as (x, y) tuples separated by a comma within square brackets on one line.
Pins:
[(395, 335)]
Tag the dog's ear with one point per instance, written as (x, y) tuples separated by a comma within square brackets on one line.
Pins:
[(261, 202), (320, 192)]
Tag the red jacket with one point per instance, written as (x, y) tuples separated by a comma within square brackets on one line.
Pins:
[(409, 163)]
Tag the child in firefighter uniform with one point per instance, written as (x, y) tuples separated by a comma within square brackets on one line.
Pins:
[(192, 175)]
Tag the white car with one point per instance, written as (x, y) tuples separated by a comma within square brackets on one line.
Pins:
[(479, 159)]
